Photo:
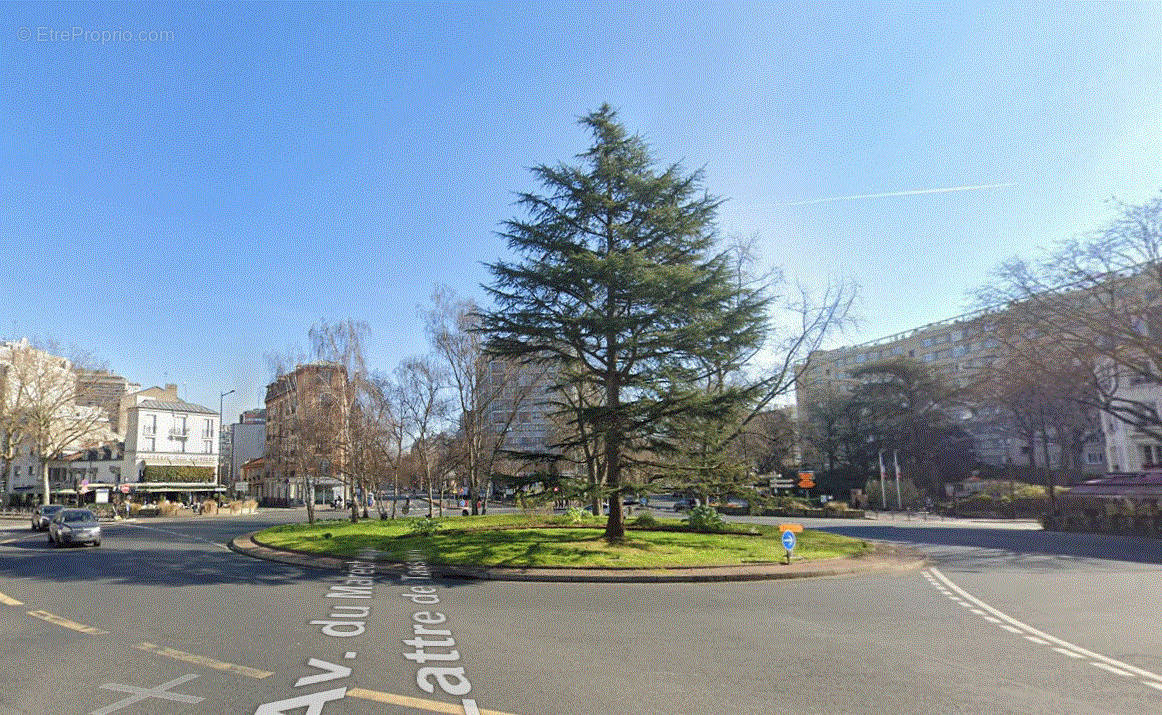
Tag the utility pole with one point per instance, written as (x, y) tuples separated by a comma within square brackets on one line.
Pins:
[(218, 471)]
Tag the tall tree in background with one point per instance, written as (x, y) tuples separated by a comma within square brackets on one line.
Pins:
[(488, 396), (341, 343), (911, 409), (42, 410), (621, 286), (424, 408), (1097, 300)]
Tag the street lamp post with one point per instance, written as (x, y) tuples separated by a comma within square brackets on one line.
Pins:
[(218, 472)]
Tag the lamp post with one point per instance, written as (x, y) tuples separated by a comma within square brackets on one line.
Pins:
[(221, 399)]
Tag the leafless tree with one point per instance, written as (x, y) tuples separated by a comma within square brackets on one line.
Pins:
[(1098, 301), (425, 407), (42, 407)]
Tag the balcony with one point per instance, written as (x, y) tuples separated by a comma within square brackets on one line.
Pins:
[(148, 430), (179, 433)]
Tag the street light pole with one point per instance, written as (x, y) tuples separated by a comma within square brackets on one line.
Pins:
[(218, 472)]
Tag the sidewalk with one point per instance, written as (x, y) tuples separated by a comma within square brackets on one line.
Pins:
[(883, 558)]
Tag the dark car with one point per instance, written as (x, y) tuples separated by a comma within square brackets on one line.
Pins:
[(74, 526), (683, 504), (44, 514)]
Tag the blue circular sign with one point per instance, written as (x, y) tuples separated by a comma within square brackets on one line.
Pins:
[(788, 539)]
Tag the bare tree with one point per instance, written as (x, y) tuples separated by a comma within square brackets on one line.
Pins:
[(421, 382), (341, 343), (42, 408), (1098, 301)]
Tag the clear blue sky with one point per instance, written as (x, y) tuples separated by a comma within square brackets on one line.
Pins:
[(184, 207)]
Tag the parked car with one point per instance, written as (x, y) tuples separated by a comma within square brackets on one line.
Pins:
[(683, 504), (74, 526), (44, 514)]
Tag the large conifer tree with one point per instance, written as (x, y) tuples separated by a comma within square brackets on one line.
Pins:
[(621, 285)]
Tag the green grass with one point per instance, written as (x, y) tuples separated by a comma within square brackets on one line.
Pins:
[(539, 541)]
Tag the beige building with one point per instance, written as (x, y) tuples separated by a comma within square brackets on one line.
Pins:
[(958, 349)]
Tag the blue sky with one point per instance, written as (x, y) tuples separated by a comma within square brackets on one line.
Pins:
[(183, 207)]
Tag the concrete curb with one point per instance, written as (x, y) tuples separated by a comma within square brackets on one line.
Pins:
[(883, 558)]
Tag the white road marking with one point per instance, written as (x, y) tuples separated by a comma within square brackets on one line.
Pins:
[(1152, 684), (1110, 668), (9, 601), (990, 619), (184, 536), (1036, 640), (1010, 629), (1119, 665), (977, 611), (161, 692), (1070, 653)]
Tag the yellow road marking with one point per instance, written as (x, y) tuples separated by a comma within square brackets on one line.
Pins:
[(9, 601), (418, 703), (203, 660), (66, 623)]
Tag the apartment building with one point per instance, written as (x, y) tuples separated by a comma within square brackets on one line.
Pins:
[(37, 381), (171, 446), (1129, 449), (958, 349), (305, 421), (243, 441)]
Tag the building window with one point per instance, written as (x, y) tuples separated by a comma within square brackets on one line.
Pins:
[(149, 443), (208, 429), (1093, 458), (208, 445)]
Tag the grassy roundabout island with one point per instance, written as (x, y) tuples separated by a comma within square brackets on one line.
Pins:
[(545, 541)]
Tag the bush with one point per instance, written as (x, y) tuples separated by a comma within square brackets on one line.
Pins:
[(423, 527), (645, 520), (576, 515), (705, 519), (835, 507)]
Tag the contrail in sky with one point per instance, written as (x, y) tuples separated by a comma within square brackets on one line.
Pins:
[(913, 192)]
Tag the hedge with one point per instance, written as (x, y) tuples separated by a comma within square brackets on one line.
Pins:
[(182, 473)]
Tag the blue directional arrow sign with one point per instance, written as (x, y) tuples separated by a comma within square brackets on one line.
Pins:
[(788, 540)]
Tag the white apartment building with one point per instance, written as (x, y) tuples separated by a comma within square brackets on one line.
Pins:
[(34, 378), (1127, 448), (170, 446)]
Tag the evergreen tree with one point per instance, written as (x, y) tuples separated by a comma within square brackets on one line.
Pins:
[(621, 286)]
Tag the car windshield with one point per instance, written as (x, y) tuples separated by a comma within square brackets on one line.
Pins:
[(50, 509), (78, 515)]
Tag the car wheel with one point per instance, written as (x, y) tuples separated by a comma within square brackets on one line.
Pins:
[(97, 542), (51, 541)]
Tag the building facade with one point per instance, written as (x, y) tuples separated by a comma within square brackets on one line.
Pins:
[(306, 424), (959, 350), (171, 446), (1129, 449), (245, 441)]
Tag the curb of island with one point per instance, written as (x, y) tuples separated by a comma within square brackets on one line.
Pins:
[(883, 558)]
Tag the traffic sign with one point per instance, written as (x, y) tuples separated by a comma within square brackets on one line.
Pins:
[(788, 540), (806, 479), (806, 484), (124, 488), (795, 528)]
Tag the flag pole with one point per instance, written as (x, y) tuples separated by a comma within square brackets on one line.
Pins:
[(883, 492), (896, 464)]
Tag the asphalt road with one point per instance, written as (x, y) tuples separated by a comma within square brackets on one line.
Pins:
[(163, 618)]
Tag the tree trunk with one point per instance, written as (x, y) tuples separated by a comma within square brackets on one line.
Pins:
[(44, 480), (310, 504)]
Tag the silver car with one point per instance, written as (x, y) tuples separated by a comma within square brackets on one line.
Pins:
[(44, 514), (74, 526)]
